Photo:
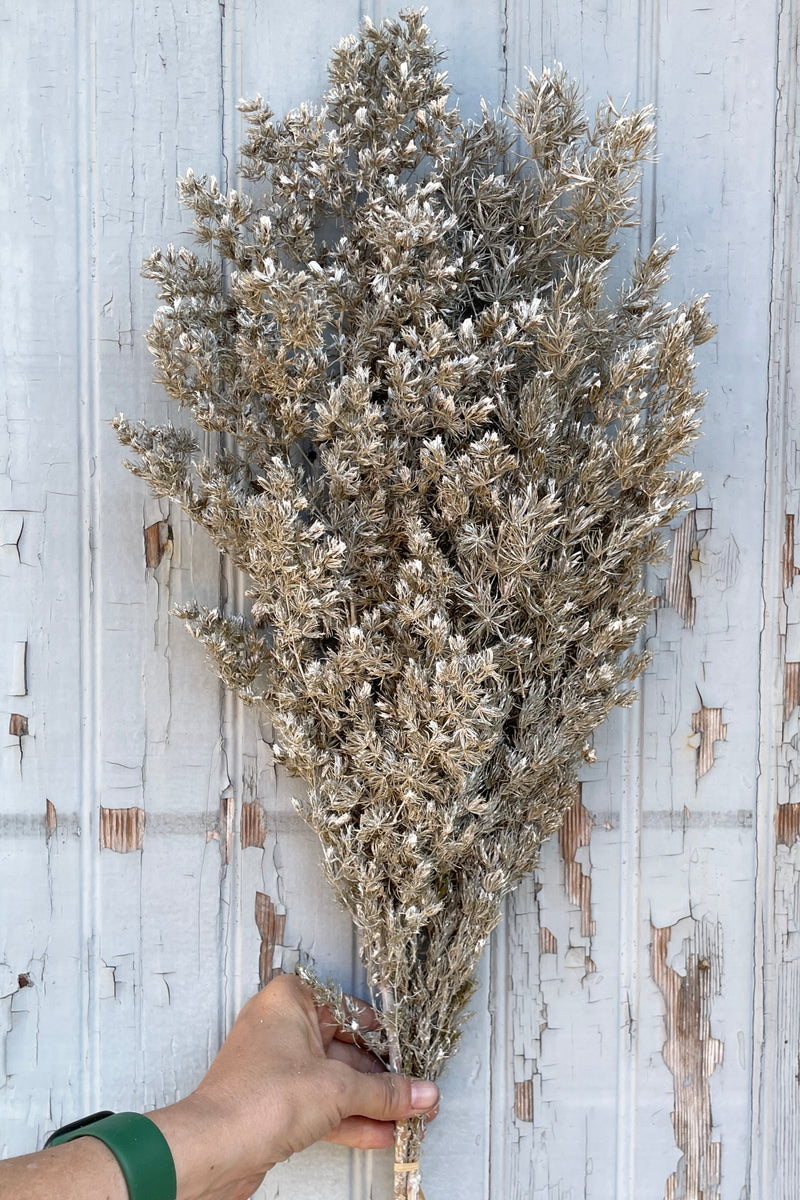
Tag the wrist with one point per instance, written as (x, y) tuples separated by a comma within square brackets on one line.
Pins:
[(204, 1148)]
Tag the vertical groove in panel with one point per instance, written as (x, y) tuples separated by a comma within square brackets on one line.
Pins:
[(630, 826), (647, 93), (505, 26), (138, 967), (89, 564), (498, 1106), (233, 911), (775, 1007), (514, 1009), (632, 725)]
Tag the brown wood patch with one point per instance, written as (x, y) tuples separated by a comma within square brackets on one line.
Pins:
[(227, 810), (691, 1054), (547, 941), (575, 832), (791, 688), (708, 723), (50, 820), (254, 824), (156, 539), (271, 925), (789, 568), (122, 829), (523, 1100), (678, 589), (787, 824), (18, 725)]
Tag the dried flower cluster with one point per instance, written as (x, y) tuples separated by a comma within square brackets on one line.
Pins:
[(447, 456)]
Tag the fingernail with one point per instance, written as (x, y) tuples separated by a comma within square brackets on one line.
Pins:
[(424, 1095)]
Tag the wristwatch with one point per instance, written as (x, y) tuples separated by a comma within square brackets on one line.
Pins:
[(138, 1145)]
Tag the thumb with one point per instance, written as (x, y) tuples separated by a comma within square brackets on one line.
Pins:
[(390, 1097)]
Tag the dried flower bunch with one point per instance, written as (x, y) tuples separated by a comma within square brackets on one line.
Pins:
[(446, 458)]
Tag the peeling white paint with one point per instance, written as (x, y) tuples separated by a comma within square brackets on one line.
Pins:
[(137, 960)]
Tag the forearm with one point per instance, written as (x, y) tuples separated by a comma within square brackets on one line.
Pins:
[(75, 1171), (85, 1169)]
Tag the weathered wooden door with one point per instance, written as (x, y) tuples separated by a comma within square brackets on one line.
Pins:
[(638, 1032)]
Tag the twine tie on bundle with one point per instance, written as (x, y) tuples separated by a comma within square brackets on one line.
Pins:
[(406, 1169)]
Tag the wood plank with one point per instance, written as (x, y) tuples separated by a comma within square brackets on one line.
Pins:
[(659, 839), (41, 938), (775, 1112)]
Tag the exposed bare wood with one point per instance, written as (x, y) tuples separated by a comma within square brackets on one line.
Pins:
[(678, 588), (122, 829), (50, 820), (790, 570), (254, 824), (523, 1100), (18, 725), (575, 833), (791, 688), (227, 812), (547, 941), (157, 542), (709, 725), (787, 824), (690, 1052), (271, 925)]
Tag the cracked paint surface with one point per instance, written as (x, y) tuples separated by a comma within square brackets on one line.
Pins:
[(777, 994), (116, 735)]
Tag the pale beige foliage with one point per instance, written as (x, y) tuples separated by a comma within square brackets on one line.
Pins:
[(449, 459)]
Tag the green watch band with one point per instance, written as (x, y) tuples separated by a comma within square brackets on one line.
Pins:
[(139, 1147)]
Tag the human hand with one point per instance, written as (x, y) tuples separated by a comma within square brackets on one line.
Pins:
[(288, 1076)]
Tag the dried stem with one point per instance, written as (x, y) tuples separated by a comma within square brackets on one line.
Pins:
[(407, 1183), (408, 1134)]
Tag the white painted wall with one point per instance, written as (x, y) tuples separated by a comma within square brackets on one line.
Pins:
[(120, 971)]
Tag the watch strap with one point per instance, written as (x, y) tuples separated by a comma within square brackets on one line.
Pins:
[(139, 1147)]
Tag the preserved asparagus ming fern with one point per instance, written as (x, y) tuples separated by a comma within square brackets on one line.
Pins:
[(447, 453)]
